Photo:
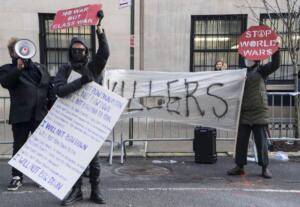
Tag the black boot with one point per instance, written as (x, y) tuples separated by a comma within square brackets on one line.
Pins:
[(75, 195), (96, 196), (237, 170), (266, 173)]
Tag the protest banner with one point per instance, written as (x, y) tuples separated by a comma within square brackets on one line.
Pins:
[(68, 138), (80, 16), (208, 98), (258, 43)]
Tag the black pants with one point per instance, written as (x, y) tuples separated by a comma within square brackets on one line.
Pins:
[(94, 174), (20, 133), (261, 142)]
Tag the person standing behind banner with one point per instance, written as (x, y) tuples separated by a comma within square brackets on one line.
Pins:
[(220, 65), (90, 71), (254, 115), (31, 96)]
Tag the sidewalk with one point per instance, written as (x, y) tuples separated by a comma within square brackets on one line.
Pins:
[(141, 183)]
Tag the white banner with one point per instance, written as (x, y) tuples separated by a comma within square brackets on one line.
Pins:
[(68, 138), (211, 98)]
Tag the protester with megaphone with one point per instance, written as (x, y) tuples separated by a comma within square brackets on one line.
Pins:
[(31, 95), (90, 71)]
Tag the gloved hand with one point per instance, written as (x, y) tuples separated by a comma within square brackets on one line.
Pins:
[(100, 15), (85, 79)]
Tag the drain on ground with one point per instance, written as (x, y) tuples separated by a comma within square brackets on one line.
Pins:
[(142, 170)]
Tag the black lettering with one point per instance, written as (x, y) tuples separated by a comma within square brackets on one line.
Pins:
[(114, 86), (174, 98), (218, 97), (122, 88), (149, 96), (108, 84), (190, 95), (133, 96)]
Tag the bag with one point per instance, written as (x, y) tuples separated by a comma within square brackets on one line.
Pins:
[(204, 145)]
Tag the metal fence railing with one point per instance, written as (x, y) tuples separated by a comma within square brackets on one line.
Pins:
[(282, 126)]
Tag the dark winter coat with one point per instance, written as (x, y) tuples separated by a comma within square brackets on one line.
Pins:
[(255, 101), (29, 100), (92, 69)]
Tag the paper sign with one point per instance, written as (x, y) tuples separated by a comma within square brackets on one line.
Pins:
[(68, 138), (124, 3), (80, 16), (258, 43)]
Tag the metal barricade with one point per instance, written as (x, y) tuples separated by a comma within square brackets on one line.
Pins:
[(282, 122), (5, 129), (282, 126)]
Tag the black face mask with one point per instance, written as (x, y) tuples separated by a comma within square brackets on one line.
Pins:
[(78, 54)]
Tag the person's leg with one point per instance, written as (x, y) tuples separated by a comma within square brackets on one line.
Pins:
[(261, 141), (20, 135), (74, 195), (34, 125), (95, 170), (241, 150)]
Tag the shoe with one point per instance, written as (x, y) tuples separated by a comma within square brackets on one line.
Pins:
[(96, 196), (266, 173), (15, 183), (236, 171), (75, 195)]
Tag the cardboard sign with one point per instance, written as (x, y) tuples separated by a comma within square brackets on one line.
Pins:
[(258, 43), (68, 138), (80, 16)]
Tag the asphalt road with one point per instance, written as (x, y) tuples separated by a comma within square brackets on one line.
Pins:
[(140, 183)]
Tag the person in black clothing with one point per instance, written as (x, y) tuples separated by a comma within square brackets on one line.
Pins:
[(254, 115), (31, 96), (90, 71)]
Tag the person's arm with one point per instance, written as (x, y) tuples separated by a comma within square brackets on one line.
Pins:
[(9, 74), (99, 60), (51, 94), (272, 66), (62, 87)]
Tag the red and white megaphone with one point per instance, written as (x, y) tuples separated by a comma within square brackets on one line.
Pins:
[(25, 49)]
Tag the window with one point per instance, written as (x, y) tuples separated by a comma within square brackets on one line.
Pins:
[(54, 45), (216, 37), (285, 73)]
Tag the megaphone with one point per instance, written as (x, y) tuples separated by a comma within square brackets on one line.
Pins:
[(25, 49)]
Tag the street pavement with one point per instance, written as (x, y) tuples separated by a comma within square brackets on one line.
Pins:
[(159, 182)]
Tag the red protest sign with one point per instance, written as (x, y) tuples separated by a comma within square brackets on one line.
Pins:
[(80, 16), (258, 43)]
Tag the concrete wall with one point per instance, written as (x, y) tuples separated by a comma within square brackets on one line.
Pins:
[(168, 27), (19, 18)]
